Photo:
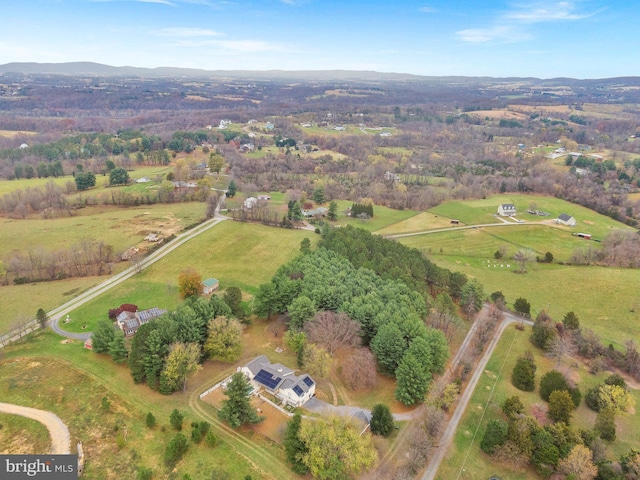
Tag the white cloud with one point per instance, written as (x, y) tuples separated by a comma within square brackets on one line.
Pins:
[(497, 33), (546, 12), (187, 32), (427, 9), (232, 46)]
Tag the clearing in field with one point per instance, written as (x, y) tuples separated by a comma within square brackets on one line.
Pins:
[(419, 223)]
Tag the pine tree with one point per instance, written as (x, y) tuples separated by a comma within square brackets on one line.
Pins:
[(151, 420), (176, 419), (294, 447), (117, 347), (413, 380), (381, 420), (524, 373), (236, 409), (103, 335)]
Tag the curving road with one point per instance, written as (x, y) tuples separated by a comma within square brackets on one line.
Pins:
[(60, 437), (452, 426), (57, 313)]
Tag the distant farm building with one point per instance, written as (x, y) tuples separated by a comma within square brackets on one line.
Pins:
[(264, 197), (394, 177), (249, 203), (315, 213), (130, 322), (564, 219), (143, 180), (210, 285), (507, 210), (279, 381)]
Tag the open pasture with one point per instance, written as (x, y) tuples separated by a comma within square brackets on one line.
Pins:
[(464, 458), (242, 255), (418, 223), (118, 227), (475, 212), (72, 381), (382, 216)]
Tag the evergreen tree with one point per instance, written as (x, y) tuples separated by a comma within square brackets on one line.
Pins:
[(176, 448), (333, 211), (571, 321), (233, 298), (305, 246), (175, 419), (103, 335), (524, 373), (117, 347), (294, 447), (494, 436), (381, 420), (512, 406), (560, 406), (232, 189), (42, 317), (606, 424), (236, 408), (150, 420), (412, 379)]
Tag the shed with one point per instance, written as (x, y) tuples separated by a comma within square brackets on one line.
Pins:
[(209, 285), (567, 220)]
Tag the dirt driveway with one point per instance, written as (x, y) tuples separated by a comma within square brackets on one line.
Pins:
[(60, 438)]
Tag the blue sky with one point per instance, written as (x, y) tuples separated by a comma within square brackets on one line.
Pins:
[(580, 39)]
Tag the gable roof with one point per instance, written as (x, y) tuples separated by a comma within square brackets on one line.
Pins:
[(508, 206), (276, 376), (564, 217), (210, 282)]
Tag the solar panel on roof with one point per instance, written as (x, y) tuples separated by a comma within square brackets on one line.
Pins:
[(267, 379), (298, 390), (307, 381)]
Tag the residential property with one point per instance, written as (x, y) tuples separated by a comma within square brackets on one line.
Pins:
[(394, 177), (264, 197), (564, 219), (210, 285), (249, 203), (130, 322), (279, 381), (507, 210), (315, 212), (143, 180)]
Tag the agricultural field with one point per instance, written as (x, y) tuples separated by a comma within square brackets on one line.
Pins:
[(242, 255), (418, 223), (474, 212), (72, 381), (465, 460), (382, 217), (118, 227)]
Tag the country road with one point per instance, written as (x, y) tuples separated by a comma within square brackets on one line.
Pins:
[(452, 426), (60, 438), (468, 227), (56, 314)]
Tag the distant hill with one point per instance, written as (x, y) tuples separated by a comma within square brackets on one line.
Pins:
[(101, 70)]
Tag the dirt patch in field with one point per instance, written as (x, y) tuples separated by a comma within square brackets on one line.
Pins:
[(274, 421), (500, 114)]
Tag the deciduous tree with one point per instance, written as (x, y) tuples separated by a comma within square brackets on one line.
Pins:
[(223, 339), (359, 369), (182, 362), (336, 450), (579, 464), (189, 283), (316, 360), (333, 330)]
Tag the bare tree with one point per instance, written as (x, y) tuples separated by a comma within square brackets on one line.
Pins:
[(562, 346), (359, 369), (333, 330), (523, 257)]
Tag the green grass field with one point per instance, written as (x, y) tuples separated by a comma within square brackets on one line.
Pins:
[(481, 243), (240, 255), (71, 381), (382, 217), (419, 223), (465, 460), (20, 435), (475, 212), (118, 227)]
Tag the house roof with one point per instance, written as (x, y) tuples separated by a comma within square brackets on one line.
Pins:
[(210, 282), (277, 376), (508, 206), (564, 217), (146, 315)]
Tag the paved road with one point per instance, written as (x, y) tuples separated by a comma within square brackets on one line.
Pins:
[(60, 438), (452, 426), (58, 313)]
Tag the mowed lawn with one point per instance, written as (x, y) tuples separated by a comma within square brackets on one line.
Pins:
[(418, 223), (465, 460), (475, 212), (242, 255), (20, 303), (382, 216), (482, 243)]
